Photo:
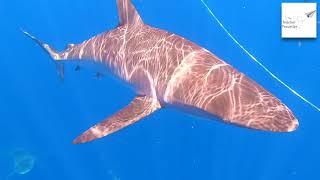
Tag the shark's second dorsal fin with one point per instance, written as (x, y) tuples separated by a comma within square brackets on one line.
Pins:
[(128, 13)]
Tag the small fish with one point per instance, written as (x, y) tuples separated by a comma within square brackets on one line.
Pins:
[(99, 75), (78, 68)]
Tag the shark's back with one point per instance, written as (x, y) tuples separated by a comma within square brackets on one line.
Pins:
[(218, 89), (155, 54)]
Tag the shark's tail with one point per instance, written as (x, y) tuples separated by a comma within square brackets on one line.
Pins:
[(56, 56), (53, 53)]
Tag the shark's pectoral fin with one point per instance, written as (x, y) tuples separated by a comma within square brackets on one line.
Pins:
[(128, 13), (139, 108)]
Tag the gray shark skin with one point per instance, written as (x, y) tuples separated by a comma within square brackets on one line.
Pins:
[(166, 69)]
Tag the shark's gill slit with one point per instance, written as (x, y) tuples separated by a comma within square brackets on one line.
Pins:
[(256, 60)]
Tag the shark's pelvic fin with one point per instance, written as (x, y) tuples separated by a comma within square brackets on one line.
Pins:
[(128, 13), (139, 108)]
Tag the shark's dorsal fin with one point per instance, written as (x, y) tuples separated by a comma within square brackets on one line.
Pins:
[(128, 13)]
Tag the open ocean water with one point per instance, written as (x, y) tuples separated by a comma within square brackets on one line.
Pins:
[(41, 115)]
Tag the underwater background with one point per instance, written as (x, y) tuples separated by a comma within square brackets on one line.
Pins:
[(41, 114)]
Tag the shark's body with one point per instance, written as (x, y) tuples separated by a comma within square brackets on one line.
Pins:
[(166, 69)]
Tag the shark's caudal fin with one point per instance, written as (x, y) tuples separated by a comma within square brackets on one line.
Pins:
[(139, 108), (128, 13), (53, 53)]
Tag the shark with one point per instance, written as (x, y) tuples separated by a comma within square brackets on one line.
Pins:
[(167, 70)]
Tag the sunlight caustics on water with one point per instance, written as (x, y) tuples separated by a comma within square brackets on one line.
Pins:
[(256, 60)]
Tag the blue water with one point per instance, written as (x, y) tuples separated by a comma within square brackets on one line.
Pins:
[(42, 114)]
